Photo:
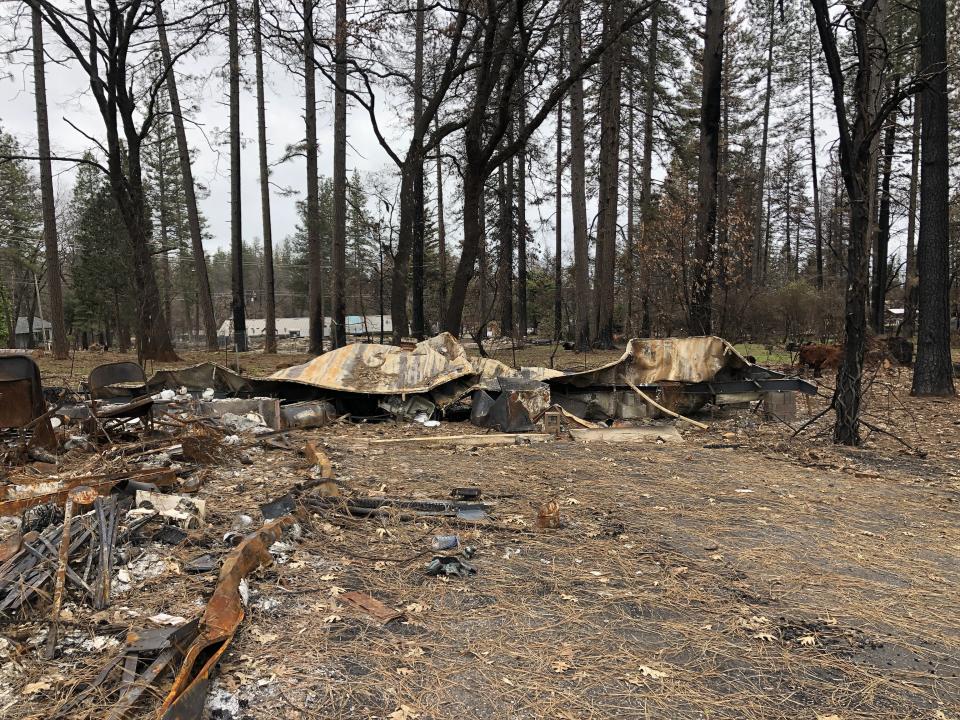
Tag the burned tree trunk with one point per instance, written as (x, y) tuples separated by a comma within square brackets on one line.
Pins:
[(858, 165), (646, 204), (473, 189), (441, 231), (609, 177), (817, 220), (238, 302), (419, 316), (558, 235), (521, 222), (701, 306), (270, 309), (759, 264), (51, 244), (933, 371), (909, 326), (189, 192), (505, 256), (338, 250), (881, 248), (315, 272), (578, 191)]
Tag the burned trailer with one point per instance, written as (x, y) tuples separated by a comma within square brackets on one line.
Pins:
[(682, 374)]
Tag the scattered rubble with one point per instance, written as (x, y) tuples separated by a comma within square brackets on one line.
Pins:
[(106, 489)]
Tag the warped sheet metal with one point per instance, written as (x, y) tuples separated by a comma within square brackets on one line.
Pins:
[(486, 375), (650, 361), (219, 623), (374, 369), (206, 375)]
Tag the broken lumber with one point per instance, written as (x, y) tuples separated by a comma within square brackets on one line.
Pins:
[(667, 434), (476, 440)]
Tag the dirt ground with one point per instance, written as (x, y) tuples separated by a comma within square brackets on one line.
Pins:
[(744, 573)]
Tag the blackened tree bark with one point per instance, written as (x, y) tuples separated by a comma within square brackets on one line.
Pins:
[(909, 326), (163, 251), (315, 271), (759, 244), (102, 44), (338, 334), (419, 316), (933, 371), (441, 230), (609, 175), (238, 302), (189, 192), (817, 220), (701, 305), (558, 231), (646, 203), (270, 307), (629, 251), (505, 257), (50, 240), (881, 248), (858, 166), (521, 222), (578, 188)]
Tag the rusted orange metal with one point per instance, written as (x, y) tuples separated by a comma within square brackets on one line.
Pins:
[(97, 483), (219, 623)]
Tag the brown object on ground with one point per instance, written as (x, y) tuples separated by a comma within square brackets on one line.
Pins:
[(549, 515), (664, 433), (817, 357), (10, 547), (220, 621), (371, 606), (316, 456)]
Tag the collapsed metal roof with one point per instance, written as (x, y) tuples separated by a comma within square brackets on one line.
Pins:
[(648, 361), (376, 369)]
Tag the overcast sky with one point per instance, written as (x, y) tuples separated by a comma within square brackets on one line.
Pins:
[(68, 98)]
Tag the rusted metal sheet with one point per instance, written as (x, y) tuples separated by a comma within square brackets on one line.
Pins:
[(56, 491), (371, 606), (384, 369), (220, 621), (21, 391)]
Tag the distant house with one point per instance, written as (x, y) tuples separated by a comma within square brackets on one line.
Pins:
[(300, 327), (42, 333)]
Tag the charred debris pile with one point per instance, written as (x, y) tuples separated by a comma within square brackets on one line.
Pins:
[(98, 480)]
